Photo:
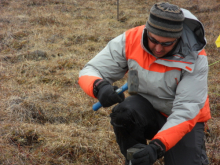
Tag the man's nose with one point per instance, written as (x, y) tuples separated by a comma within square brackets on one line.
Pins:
[(159, 48)]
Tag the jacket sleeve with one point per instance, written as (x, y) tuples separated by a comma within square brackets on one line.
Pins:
[(109, 64), (189, 106)]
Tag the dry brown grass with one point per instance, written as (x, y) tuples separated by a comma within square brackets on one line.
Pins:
[(45, 118)]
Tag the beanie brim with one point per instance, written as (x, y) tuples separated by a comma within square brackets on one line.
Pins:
[(163, 33)]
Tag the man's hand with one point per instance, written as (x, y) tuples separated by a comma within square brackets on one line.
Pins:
[(148, 154), (106, 94)]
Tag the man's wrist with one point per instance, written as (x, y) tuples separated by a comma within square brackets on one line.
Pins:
[(97, 85), (159, 146)]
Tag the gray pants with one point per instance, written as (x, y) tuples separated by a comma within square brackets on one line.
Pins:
[(135, 120)]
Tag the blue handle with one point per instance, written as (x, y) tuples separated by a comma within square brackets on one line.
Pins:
[(120, 90)]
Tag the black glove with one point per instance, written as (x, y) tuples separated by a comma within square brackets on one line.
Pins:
[(106, 94), (148, 154)]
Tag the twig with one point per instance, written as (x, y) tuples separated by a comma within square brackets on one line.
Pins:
[(118, 10)]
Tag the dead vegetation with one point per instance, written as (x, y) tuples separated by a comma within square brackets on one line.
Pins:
[(45, 118)]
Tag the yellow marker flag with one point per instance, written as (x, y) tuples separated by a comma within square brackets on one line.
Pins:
[(217, 42)]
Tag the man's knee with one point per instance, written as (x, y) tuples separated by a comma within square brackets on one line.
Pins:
[(121, 116), (134, 110)]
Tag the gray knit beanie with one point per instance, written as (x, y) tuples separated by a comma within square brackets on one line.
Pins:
[(165, 20)]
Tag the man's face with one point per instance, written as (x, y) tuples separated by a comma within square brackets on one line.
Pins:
[(160, 46)]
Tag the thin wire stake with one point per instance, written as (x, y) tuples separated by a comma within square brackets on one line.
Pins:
[(118, 10)]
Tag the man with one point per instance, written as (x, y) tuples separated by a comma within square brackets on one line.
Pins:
[(172, 104)]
